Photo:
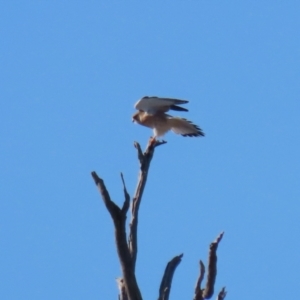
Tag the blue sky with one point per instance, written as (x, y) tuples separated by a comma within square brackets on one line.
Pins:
[(70, 74)]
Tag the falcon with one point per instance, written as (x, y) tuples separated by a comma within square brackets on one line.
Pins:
[(152, 113)]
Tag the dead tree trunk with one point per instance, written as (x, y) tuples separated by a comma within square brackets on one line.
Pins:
[(128, 249)]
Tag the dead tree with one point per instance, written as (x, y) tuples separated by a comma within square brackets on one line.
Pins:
[(127, 248)]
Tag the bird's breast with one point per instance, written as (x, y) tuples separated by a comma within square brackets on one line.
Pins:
[(153, 121)]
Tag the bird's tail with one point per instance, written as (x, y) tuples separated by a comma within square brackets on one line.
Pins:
[(184, 127)]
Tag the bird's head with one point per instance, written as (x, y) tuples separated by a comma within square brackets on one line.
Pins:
[(136, 117)]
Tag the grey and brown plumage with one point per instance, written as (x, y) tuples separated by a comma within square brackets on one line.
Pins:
[(152, 113)]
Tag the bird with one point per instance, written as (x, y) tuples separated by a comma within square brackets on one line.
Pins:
[(152, 113)]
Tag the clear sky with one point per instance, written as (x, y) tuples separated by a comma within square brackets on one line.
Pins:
[(70, 73)]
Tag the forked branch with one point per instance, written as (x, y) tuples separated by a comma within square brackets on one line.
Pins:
[(222, 294), (127, 251), (119, 218), (207, 293)]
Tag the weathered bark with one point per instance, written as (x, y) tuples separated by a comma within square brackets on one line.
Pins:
[(165, 286), (198, 290), (145, 160), (222, 294), (122, 290), (119, 218), (212, 268), (207, 293)]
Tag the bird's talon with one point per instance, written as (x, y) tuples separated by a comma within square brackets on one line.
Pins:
[(152, 141)]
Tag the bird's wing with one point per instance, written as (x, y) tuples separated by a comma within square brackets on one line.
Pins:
[(153, 105), (184, 127)]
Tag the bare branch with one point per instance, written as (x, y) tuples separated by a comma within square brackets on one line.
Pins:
[(127, 196), (198, 290), (119, 219), (145, 160), (140, 152), (165, 286), (113, 209), (212, 268), (222, 294)]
